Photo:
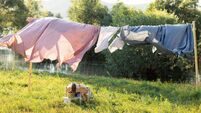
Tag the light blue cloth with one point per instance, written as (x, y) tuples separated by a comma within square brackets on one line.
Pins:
[(175, 38)]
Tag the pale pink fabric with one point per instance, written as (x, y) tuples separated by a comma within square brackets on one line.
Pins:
[(53, 38)]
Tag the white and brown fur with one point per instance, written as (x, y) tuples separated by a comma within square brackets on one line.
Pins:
[(85, 91)]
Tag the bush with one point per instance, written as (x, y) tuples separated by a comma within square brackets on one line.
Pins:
[(138, 61)]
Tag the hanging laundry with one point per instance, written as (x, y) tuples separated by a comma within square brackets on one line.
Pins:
[(116, 44), (126, 36), (106, 34), (177, 39), (54, 39), (134, 37)]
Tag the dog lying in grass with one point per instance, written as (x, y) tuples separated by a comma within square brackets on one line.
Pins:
[(75, 90)]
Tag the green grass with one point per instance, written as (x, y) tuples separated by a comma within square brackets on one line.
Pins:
[(111, 95)]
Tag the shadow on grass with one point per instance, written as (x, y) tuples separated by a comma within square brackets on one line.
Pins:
[(184, 94)]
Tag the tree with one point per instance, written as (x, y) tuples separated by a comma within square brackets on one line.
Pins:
[(13, 13), (138, 61), (34, 8), (47, 14), (89, 12), (123, 15), (186, 10), (58, 15)]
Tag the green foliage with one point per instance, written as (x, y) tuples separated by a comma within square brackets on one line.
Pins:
[(186, 10), (13, 13), (110, 95), (122, 15), (132, 62), (89, 12), (138, 61), (34, 8), (58, 15), (36, 11), (157, 17), (179, 8)]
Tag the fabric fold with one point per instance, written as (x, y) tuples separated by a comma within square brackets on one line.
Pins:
[(177, 39), (106, 34), (54, 39)]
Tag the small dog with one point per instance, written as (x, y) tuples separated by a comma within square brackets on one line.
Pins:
[(79, 90)]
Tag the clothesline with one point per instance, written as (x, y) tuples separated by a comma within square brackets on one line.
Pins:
[(177, 38), (67, 42), (54, 39)]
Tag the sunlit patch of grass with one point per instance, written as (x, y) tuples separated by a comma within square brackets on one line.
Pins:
[(111, 95)]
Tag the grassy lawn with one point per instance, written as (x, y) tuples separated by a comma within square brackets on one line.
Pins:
[(111, 95)]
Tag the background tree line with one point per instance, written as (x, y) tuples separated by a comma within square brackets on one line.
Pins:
[(13, 13), (138, 61)]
